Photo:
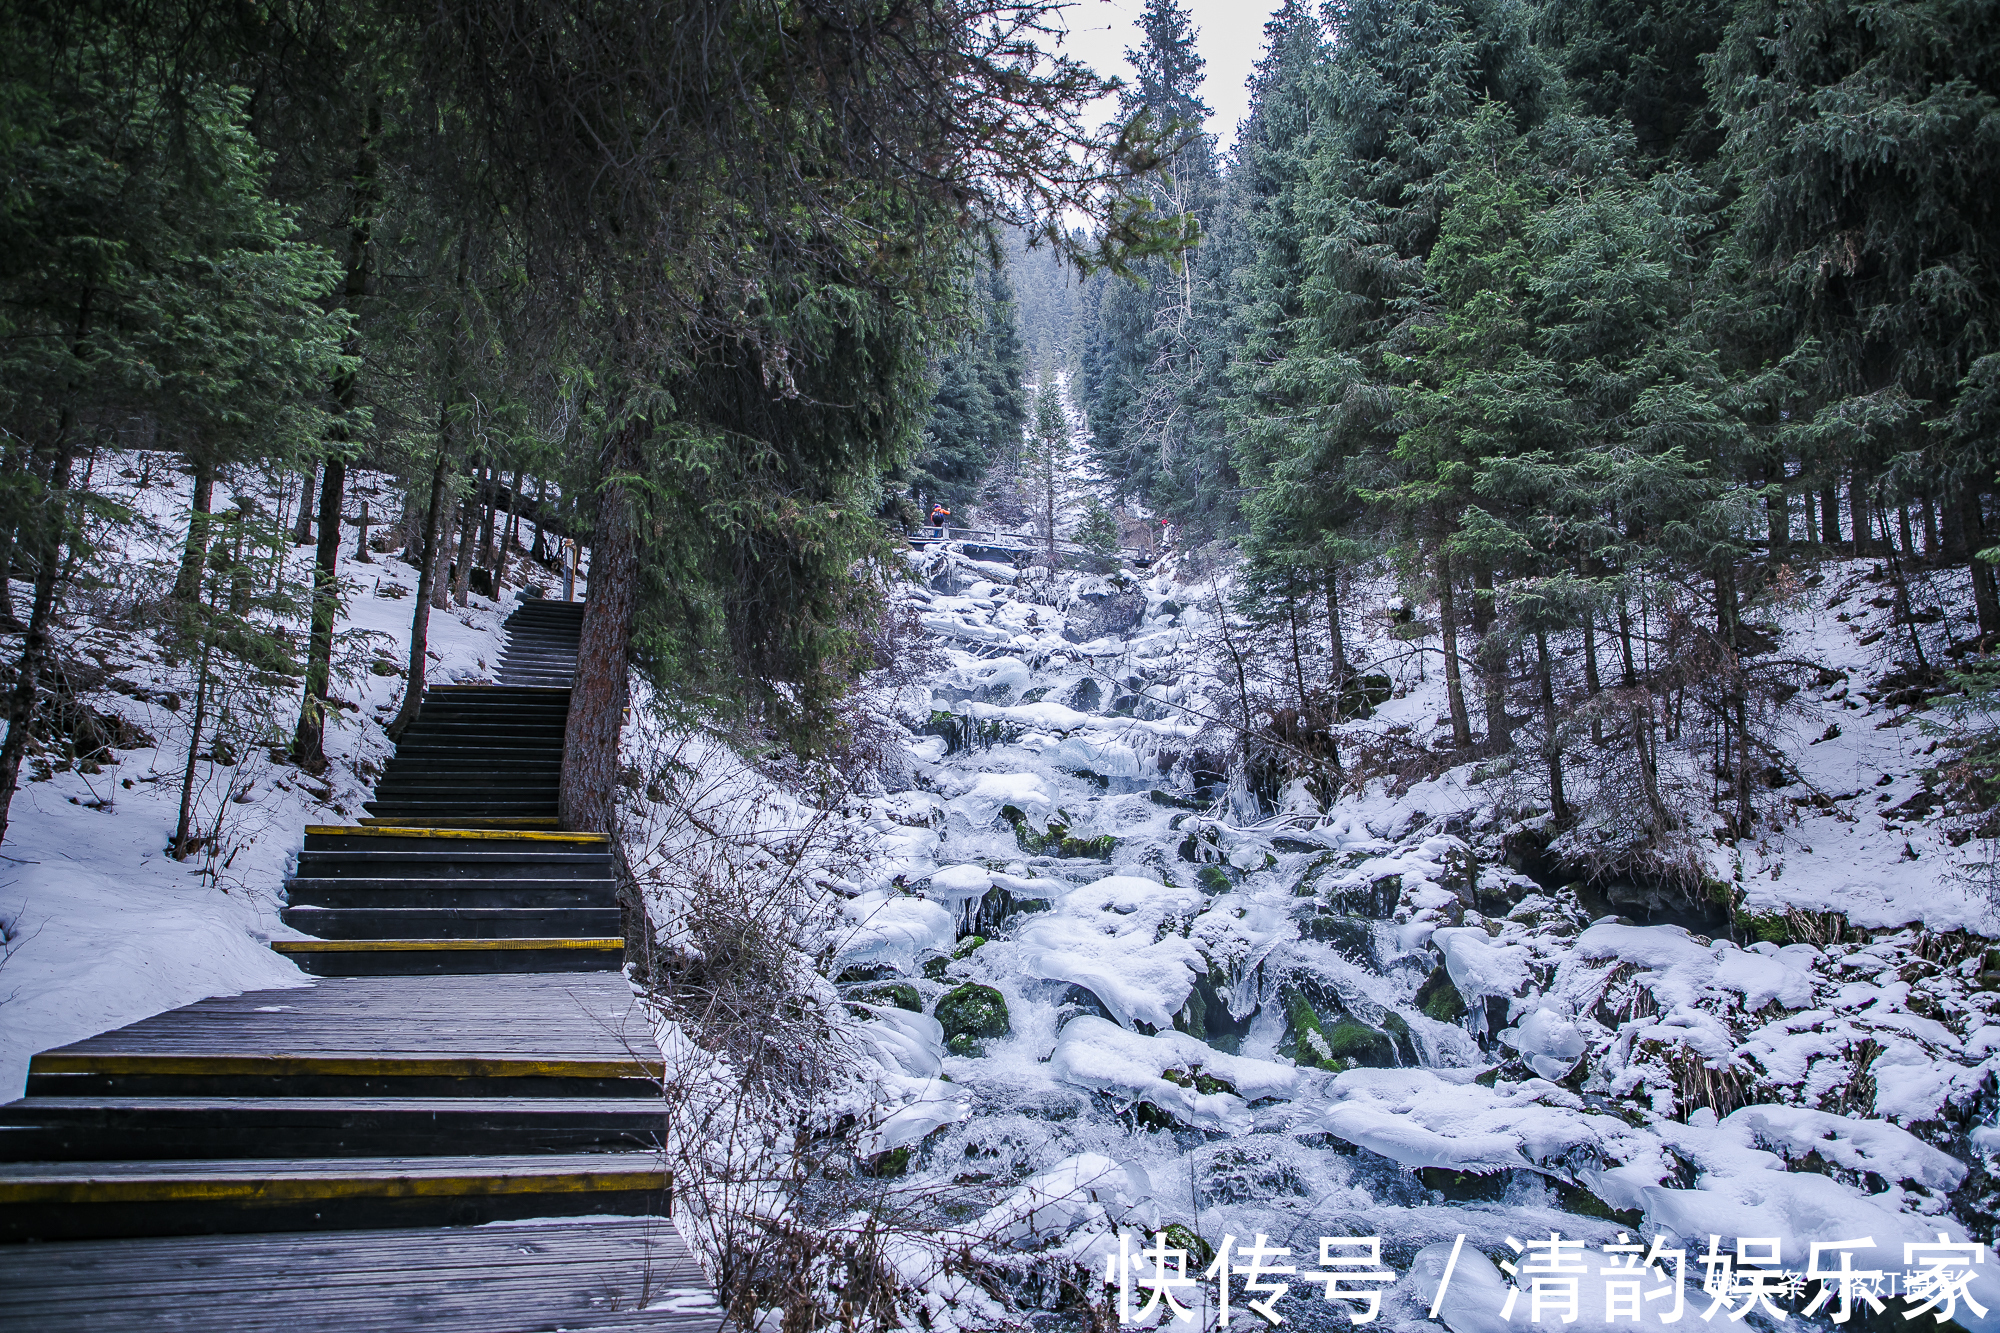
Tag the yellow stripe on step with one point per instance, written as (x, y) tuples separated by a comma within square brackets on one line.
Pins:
[(421, 831), (602, 942), (463, 1066), (280, 1189)]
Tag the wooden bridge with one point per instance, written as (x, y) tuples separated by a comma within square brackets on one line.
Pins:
[(320, 1158)]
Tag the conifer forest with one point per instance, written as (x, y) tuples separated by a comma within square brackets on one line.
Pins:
[(859, 673)]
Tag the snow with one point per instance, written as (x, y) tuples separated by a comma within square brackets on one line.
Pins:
[(1111, 937), (888, 927), (1103, 1056), (980, 805)]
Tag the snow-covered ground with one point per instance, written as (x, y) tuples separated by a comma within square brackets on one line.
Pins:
[(103, 926), (1360, 1021)]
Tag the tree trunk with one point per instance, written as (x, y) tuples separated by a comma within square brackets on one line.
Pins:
[(1857, 504), (201, 694), (1984, 599), (1552, 736), (361, 539), (1930, 529), (588, 796), (1454, 689), (468, 532), (302, 535), (241, 582), (439, 557), (1491, 656), (1829, 516), (8, 621), (488, 507), (507, 536), (427, 574), (1590, 683), (1336, 636), (1778, 515), (187, 584), (309, 740), (1625, 640), (48, 530), (540, 553)]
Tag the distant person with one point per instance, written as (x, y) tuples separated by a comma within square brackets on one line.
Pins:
[(940, 520)]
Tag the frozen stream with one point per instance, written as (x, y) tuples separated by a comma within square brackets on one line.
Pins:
[(1353, 1023)]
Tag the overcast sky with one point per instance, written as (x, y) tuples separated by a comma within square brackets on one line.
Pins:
[(1231, 37)]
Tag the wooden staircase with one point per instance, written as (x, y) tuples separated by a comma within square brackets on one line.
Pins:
[(470, 1054)]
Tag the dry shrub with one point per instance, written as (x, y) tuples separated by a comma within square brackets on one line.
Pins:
[(765, 1078)]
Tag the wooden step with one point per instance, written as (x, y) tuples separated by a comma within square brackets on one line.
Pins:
[(462, 821), (561, 1035), (467, 893), (427, 957), (596, 1276), (406, 921), (73, 1129), (71, 1200), (487, 837)]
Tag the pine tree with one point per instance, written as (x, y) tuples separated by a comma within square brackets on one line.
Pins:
[(1048, 465)]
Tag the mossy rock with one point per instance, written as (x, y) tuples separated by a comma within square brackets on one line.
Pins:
[(1200, 1080), (1347, 936), (1057, 840), (855, 976), (894, 1162), (1399, 1032), (965, 946), (1199, 1252), (1036, 695), (935, 965), (1214, 879), (1765, 927), (1439, 999), (900, 994), (1464, 1186), (1356, 1044), (970, 1015), (1173, 802), (1576, 1199)]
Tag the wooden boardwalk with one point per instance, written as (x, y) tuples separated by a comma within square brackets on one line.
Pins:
[(605, 1276), (455, 1127)]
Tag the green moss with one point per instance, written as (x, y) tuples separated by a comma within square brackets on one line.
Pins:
[(1355, 1043), (901, 994), (1765, 927), (1313, 1049), (1578, 1200), (1200, 1253), (1200, 1080), (894, 1162), (1056, 841), (970, 1015), (1464, 1187), (935, 965), (1439, 999), (1214, 879), (967, 945)]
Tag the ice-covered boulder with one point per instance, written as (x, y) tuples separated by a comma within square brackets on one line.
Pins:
[(1119, 938), (1186, 1078)]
